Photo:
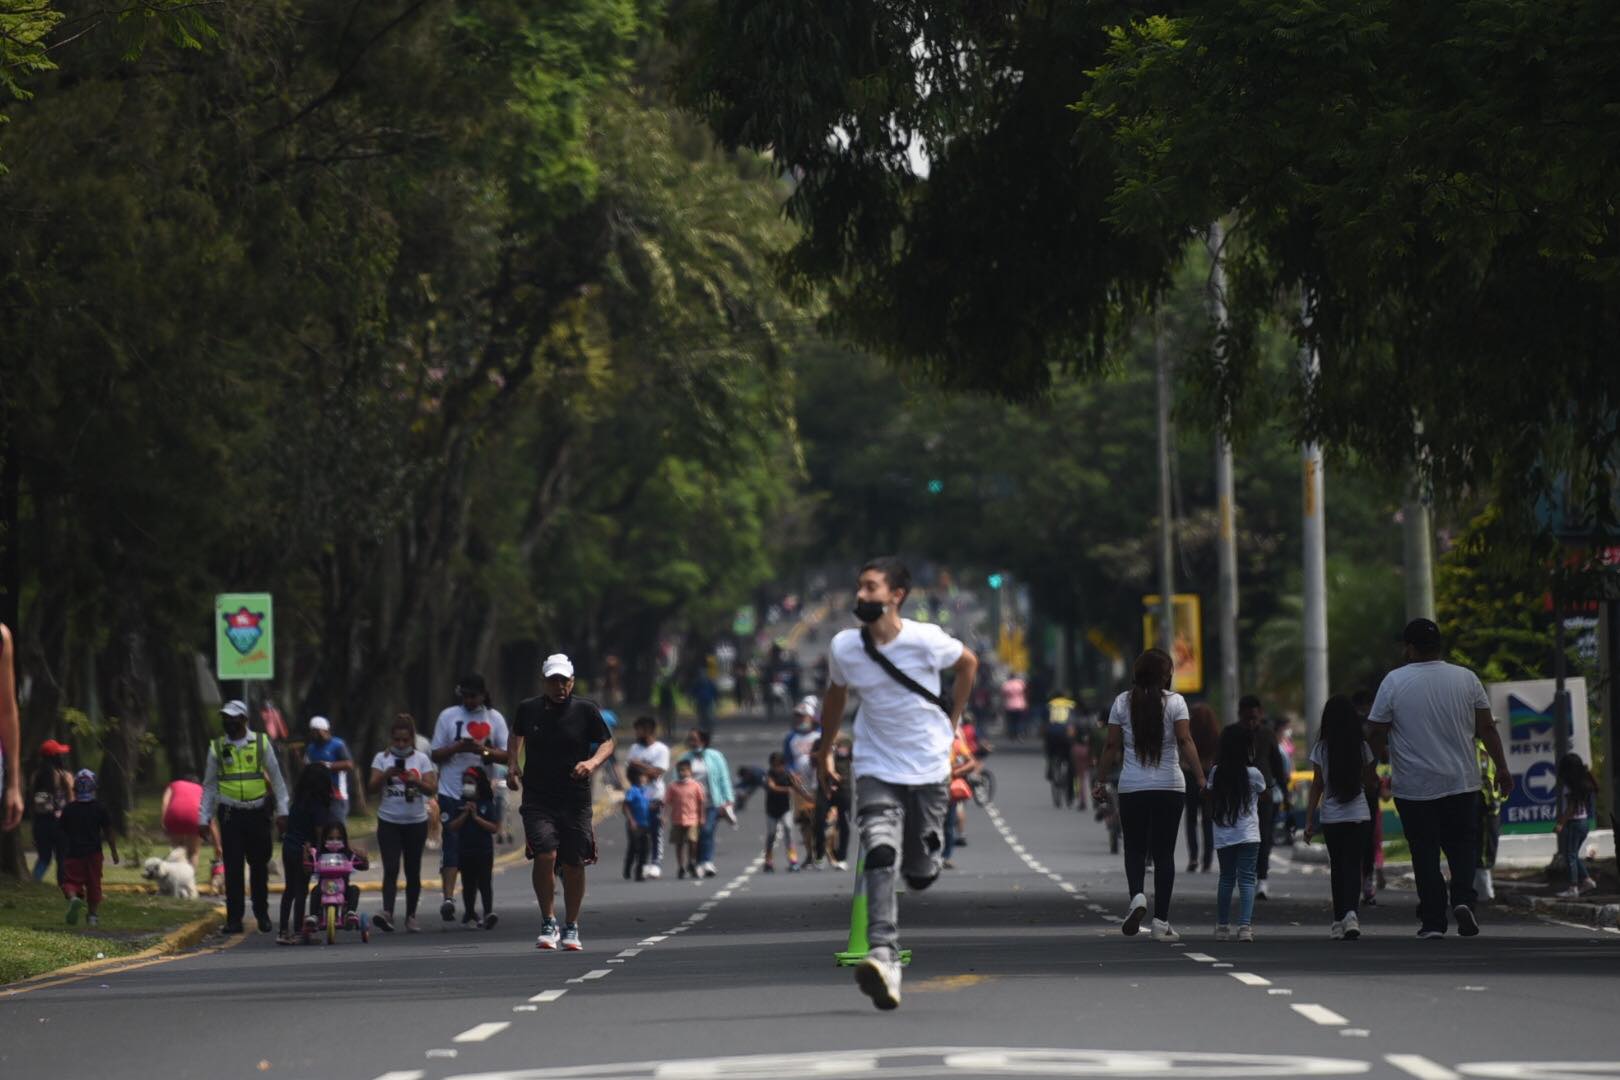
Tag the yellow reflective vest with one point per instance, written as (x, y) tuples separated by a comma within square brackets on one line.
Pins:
[(241, 769)]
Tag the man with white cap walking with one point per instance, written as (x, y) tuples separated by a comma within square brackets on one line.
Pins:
[(333, 752), (561, 739), (242, 774)]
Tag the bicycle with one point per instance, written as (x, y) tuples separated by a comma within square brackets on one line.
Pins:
[(983, 785), (1060, 773)]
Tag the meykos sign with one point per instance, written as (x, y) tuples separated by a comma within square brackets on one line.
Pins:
[(1524, 714)]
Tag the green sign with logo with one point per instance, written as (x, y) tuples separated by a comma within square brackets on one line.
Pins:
[(244, 636)]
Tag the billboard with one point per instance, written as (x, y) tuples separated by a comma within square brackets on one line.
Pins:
[(1189, 638), (1524, 717), (244, 636)]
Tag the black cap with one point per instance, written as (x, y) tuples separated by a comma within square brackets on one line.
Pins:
[(1423, 635), (471, 684)]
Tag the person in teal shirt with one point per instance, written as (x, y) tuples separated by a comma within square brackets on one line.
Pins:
[(709, 768)]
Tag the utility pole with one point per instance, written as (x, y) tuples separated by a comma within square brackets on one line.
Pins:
[(1314, 535), (1167, 626), (1418, 544), (1226, 508)]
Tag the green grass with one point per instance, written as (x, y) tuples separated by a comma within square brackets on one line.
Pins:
[(35, 937)]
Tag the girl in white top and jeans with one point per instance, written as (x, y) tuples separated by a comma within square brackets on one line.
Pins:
[(1344, 768), (1235, 790), (1148, 734)]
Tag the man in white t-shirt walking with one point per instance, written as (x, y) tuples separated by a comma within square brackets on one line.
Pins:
[(902, 761), (648, 759), (469, 734), (1428, 714)]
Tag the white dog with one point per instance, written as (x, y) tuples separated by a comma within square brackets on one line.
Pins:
[(175, 876)]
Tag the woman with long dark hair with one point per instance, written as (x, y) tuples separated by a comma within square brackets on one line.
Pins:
[(1206, 736), (1149, 740), (1576, 821), (1235, 788), (1343, 768), (307, 815)]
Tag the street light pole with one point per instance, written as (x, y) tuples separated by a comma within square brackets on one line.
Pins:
[(1226, 505), (1161, 363), (1418, 546), (1314, 535)]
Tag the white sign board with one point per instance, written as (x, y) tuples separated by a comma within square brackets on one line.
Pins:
[(1524, 717)]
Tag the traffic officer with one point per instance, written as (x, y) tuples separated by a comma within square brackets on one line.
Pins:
[(242, 772)]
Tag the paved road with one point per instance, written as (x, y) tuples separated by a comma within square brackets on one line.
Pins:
[(1020, 970)]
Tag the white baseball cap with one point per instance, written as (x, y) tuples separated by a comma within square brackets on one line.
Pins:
[(234, 708), (320, 723), (808, 705), (558, 664)]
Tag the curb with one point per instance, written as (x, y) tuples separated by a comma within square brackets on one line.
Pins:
[(188, 936), (1600, 916)]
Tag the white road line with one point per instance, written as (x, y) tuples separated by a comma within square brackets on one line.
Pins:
[(1249, 978), (1279, 992), (652, 940), (1202, 958), (628, 953), (548, 995), (1018, 848), (525, 1008), (1066, 887), (1095, 907), (699, 917), (1419, 1066), (403, 1074), (615, 961), (481, 1032), (707, 905), (1220, 965), (1319, 1014), (442, 1052), (599, 973)]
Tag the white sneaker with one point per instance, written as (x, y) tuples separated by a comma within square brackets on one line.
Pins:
[(1336, 930), (1352, 926), (653, 871), (1483, 885), (550, 934), (1163, 931), (1245, 933), (1260, 891), (708, 869), (1588, 885), (1569, 894), (1133, 917), (879, 980), (1223, 932)]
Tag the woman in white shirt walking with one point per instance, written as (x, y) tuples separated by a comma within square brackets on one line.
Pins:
[(1149, 734), (1343, 769)]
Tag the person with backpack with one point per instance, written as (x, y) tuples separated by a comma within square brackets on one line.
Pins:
[(902, 751), (50, 789), (241, 777)]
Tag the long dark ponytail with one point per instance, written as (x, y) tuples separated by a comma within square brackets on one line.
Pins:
[(1230, 792), (1574, 774), (1149, 681), (1342, 739)]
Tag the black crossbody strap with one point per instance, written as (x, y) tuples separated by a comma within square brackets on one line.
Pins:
[(899, 676)]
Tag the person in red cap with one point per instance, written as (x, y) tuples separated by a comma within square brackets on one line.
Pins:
[(50, 789)]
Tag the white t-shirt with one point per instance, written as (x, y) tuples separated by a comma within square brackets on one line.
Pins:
[(1429, 706), (452, 727), (402, 805), (655, 756), (1246, 829), (1332, 811), (899, 737), (1137, 776)]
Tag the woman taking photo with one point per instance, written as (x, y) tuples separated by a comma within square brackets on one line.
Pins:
[(406, 780), (1150, 740)]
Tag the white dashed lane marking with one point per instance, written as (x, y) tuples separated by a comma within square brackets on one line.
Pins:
[(1419, 1066), (1202, 958), (590, 976), (548, 995), (1249, 979), (1319, 1014), (403, 1074), (481, 1032)]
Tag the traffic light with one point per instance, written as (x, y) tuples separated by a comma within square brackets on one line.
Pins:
[(995, 581)]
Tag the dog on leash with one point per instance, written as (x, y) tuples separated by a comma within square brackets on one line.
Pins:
[(175, 876)]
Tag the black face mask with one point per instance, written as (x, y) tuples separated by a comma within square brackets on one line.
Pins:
[(868, 611)]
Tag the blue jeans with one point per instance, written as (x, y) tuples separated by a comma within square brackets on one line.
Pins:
[(1573, 839), (711, 817), (1237, 868)]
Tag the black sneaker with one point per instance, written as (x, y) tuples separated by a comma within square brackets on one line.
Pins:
[(231, 928), (1429, 932), (1467, 925), (447, 911), (490, 920), (382, 922), (264, 924)]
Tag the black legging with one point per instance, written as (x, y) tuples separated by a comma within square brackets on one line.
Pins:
[(477, 879), (295, 880), (394, 840), (1150, 821), (1344, 844), (1196, 814)]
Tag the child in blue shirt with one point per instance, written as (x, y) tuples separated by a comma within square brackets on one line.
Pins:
[(637, 819)]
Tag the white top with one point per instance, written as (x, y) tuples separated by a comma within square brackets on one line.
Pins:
[(452, 727), (400, 805), (1429, 706), (1332, 811), (655, 756), (1137, 776), (899, 737), (1246, 829)]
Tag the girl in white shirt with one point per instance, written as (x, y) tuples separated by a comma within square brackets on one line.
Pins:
[(1235, 787), (1343, 767)]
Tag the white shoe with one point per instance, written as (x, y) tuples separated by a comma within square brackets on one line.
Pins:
[(1133, 917), (653, 871), (1352, 926), (1223, 932), (708, 869), (1588, 885), (1569, 894), (1163, 931), (1483, 885), (879, 980), (1245, 933), (1260, 891), (1336, 930)]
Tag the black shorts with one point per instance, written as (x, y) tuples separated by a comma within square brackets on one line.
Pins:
[(566, 830)]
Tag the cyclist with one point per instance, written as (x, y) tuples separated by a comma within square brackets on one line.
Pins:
[(1058, 740)]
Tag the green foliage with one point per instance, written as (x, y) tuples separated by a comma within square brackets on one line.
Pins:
[(1496, 619)]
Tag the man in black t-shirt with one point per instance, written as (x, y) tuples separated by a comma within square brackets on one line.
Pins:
[(560, 740)]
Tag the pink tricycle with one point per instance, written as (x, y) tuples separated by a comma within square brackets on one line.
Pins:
[(332, 870)]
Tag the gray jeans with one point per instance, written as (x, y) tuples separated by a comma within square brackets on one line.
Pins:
[(900, 824)]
